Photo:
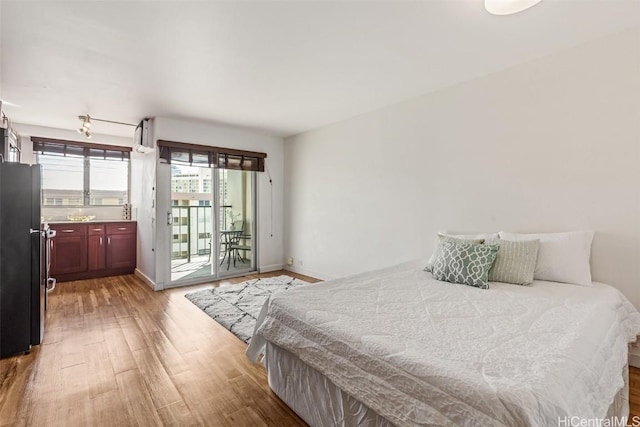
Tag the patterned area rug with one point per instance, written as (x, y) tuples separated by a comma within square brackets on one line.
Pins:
[(236, 307)]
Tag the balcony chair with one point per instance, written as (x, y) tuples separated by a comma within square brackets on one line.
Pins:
[(237, 246)]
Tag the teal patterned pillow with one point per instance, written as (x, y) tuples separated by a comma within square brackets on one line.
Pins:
[(445, 238), (465, 263)]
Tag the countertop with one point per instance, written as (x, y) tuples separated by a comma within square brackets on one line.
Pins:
[(93, 221)]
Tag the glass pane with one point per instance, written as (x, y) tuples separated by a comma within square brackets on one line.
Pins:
[(192, 244), (236, 216), (191, 179), (62, 180), (108, 181)]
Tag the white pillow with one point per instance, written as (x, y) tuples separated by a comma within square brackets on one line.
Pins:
[(481, 236), (562, 257)]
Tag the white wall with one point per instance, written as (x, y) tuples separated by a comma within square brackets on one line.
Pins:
[(550, 145), (269, 204), (143, 199)]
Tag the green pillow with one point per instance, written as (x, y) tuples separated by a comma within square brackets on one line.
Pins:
[(444, 238), (465, 263), (516, 261)]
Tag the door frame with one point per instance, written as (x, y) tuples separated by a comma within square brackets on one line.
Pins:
[(164, 230)]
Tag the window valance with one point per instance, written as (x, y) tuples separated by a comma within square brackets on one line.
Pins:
[(73, 148), (217, 157)]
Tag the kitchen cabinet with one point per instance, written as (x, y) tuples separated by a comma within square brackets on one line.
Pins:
[(68, 249), (121, 246), (97, 247), (84, 251)]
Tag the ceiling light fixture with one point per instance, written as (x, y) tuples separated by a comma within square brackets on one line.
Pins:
[(508, 7), (85, 128)]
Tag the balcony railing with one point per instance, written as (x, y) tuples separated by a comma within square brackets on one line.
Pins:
[(191, 231)]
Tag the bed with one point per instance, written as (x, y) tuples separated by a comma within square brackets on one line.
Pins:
[(397, 347)]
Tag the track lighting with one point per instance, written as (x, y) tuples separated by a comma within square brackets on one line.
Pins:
[(85, 128)]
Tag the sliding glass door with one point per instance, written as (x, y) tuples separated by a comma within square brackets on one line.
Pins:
[(192, 231), (212, 223), (236, 216)]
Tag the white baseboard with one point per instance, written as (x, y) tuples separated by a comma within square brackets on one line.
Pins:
[(270, 268), (146, 279), (309, 273)]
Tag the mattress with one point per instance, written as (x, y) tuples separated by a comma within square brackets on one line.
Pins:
[(418, 351)]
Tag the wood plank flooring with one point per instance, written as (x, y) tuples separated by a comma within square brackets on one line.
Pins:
[(117, 353), (634, 396)]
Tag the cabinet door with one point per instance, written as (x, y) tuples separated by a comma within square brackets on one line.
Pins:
[(121, 251), (97, 253), (68, 255)]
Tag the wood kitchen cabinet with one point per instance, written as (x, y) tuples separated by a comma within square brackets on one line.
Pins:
[(96, 248), (83, 251), (68, 249), (121, 246)]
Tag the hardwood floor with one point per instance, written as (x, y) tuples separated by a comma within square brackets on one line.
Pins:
[(634, 396), (117, 353)]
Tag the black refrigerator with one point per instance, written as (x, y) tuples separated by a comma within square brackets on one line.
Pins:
[(22, 283)]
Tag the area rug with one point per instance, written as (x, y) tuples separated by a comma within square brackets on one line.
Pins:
[(236, 307)]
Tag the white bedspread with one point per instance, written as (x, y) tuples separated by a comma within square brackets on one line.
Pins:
[(423, 352)]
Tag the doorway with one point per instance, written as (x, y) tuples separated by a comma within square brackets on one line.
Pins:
[(212, 223)]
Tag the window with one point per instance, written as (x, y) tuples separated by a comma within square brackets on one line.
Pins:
[(76, 174), (109, 179)]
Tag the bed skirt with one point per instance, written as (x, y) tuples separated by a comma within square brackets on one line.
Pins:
[(320, 403)]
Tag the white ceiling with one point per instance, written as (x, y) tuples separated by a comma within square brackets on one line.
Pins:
[(283, 67)]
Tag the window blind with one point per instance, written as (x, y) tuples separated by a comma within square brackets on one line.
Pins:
[(217, 157), (73, 148)]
